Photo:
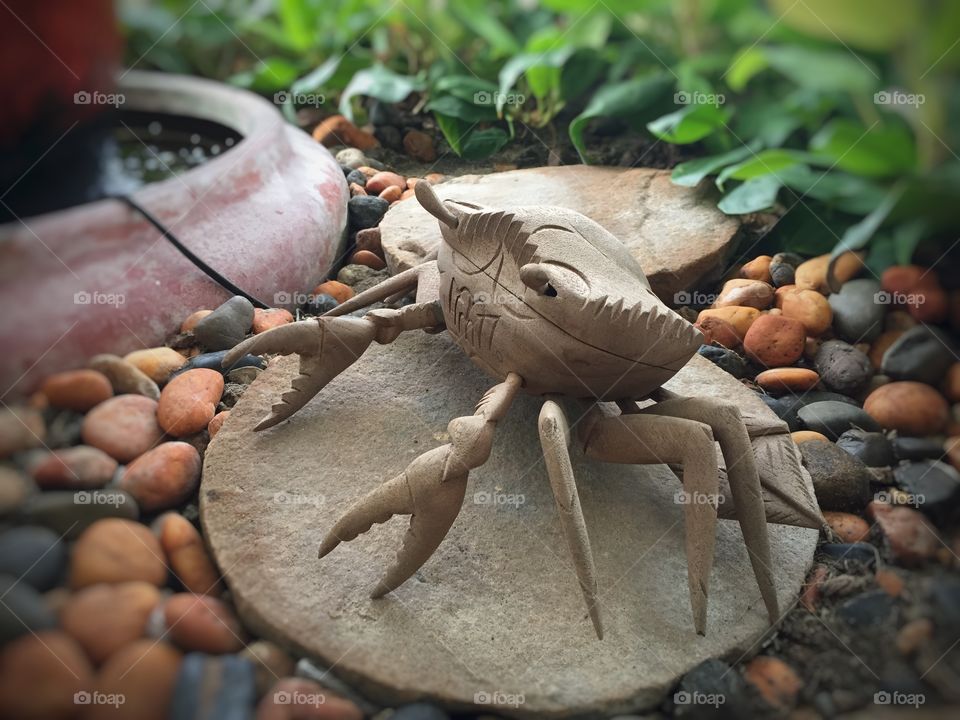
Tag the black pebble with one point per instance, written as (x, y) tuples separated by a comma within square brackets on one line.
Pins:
[(319, 304), (366, 211), (355, 176), (725, 360)]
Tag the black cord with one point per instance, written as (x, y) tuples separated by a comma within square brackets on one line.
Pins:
[(188, 254)]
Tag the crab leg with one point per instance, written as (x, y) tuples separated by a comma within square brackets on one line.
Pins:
[(430, 490), (724, 419), (555, 440), (652, 439)]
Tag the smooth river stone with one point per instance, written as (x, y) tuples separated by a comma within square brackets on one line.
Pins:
[(676, 233), (497, 608)]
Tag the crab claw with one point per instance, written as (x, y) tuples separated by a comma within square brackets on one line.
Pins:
[(420, 492), (327, 346)]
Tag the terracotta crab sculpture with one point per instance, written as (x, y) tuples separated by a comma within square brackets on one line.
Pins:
[(549, 303)]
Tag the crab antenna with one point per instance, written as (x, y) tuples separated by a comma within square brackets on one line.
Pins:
[(432, 203)]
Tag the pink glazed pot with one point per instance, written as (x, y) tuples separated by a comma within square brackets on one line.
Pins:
[(269, 215)]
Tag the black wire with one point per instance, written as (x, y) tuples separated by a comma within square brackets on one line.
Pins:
[(188, 254)]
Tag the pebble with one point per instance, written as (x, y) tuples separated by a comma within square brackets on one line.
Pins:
[(369, 239), (201, 623), (20, 429), (189, 402), (757, 269), (715, 678), (269, 662), (842, 367), (156, 363), (933, 486), (854, 552), (910, 536), (357, 275), (718, 332), (352, 158), (888, 581), (783, 267), (873, 608), (834, 418), (951, 383), (115, 550), (382, 180), (41, 675), (779, 380), (745, 293), (922, 354), (857, 311), (226, 326), (419, 146), (243, 376), (357, 190), (164, 477), (774, 341), (69, 513), (873, 449), (741, 318), (783, 409), (209, 688), (840, 481), (812, 274), (808, 306), (355, 177), (725, 359), (214, 361), (23, 610), (104, 618), (812, 588), (14, 490), (77, 390), (849, 528), (365, 257), (914, 635), (801, 436), (192, 319), (337, 130), (80, 468), (419, 711), (33, 554), (391, 194), (880, 346), (264, 320), (293, 698), (144, 673), (928, 305), (902, 279), (319, 304), (911, 408), (777, 682), (339, 291), (366, 211), (124, 427), (123, 376), (213, 427), (913, 448), (187, 555)]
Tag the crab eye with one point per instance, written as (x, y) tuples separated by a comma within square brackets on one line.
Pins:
[(550, 280)]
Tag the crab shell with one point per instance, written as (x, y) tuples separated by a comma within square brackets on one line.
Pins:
[(551, 295)]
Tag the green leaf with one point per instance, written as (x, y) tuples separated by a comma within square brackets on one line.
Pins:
[(481, 144), (849, 193), (316, 79), (756, 194), (881, 150), (268, 76), (822, 69), (452, 129), (455, 107), (523, 63), (688, 124), (745, 64), (474, 14), (765, 162), (692, 172), (378, 82), (627, 98), (858, 235), (297, 19)]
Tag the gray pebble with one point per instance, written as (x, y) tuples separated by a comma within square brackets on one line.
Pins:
[(226, 326)]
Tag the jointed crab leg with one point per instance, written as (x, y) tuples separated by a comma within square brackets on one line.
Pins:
[(652, 439), (430, 490), (555, 440)]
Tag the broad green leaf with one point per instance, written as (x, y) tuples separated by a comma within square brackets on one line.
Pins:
[(688, 124), (380, 83), (455, 107), (452, 129), (268, 76), (297, 19), (765, 162), (881, 150), (857, 236), (317, 79), (520, 64), (753, 195), (481, 144), (466, 87), (849, 193), (690, 173), (475, 15), (822, 69), (745, 64)]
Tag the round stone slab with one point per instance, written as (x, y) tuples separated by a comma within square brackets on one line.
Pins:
[(496, 615), (676, 233)]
